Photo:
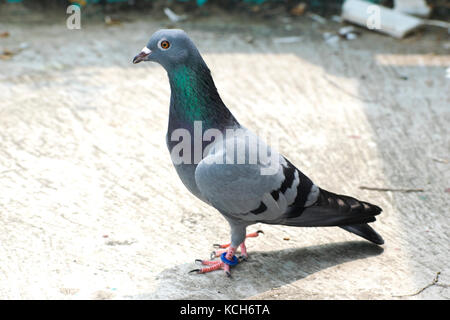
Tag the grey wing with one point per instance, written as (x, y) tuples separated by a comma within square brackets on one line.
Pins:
[(267, 189)]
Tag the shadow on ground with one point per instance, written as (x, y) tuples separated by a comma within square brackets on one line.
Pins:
[(277, 268)]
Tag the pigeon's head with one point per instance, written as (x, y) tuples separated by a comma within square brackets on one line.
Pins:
[(169, 48)]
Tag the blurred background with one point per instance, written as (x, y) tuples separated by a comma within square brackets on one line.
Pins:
[(356, 96)]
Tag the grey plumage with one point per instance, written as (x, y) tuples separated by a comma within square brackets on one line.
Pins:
[(238, 190)]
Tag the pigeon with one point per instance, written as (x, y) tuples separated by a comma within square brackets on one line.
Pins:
[(229, 167)]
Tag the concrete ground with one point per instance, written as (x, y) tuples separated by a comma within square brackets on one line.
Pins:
[(90, 206)]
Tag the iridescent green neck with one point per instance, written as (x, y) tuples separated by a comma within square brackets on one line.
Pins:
[(194, 97), (191, 104)]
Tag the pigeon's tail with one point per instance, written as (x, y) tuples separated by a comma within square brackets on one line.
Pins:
[(364, 231), (338, 210)]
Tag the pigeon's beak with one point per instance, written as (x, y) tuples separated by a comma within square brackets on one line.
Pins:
[(142, 56)]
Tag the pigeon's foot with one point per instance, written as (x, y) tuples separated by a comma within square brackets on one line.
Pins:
[(227, 257), (227, 260)]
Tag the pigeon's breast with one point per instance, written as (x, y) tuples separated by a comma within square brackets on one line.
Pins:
[(183, 159)]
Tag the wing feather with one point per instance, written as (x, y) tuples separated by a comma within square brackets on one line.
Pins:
[(243, 190)]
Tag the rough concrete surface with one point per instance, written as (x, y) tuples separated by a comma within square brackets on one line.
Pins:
[(90, 206)]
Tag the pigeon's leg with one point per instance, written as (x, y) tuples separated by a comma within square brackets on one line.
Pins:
[(244, 253), (218, 253), (237, 237), (227, 258)]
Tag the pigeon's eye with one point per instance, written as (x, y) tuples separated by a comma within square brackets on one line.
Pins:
[(164, 44)]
